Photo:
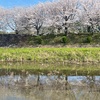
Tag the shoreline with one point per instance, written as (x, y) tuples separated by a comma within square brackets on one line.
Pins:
[(50, 69)]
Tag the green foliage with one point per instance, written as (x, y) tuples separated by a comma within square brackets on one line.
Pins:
[(50, 35), (88, 39), (39, 40), (49, 39), (57, 39), (65, 40), (30, 40)]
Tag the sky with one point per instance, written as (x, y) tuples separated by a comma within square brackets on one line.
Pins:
[(14, 3)]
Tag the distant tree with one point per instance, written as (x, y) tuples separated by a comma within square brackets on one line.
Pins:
[(63, 13), (58, 14), (12, 19), (2, 18), (35, 17), (91, 11)]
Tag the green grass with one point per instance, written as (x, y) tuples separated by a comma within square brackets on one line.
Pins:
[(52, 55)]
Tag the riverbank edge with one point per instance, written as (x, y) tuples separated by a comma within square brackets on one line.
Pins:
[(49, 69)]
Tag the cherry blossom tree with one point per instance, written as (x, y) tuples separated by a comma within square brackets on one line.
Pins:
[(63, 13), (53, 18), (2, 18), (35, 17), (91, 14), (12, 19), (58, 14)]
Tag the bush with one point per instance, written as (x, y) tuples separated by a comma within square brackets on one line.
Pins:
[(57, 39), (65, 39), (39, 40), (30, 40), (88, 40)]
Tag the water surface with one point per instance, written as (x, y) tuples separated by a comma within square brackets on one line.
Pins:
[(27, 85)]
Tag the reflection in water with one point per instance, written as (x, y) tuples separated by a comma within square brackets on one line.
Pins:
[(49, 87), (19, 84)]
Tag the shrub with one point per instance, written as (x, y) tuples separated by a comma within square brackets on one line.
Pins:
[(88, 40), (39, 40), (30, 40), (57, 39), (65, 39)]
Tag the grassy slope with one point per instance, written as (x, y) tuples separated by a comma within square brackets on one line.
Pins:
[(73, 55)]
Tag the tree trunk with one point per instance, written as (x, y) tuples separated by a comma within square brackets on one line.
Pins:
[(92, 29), (38, 31), (16, 32), (88, 29), (66, 31), (66, 27)]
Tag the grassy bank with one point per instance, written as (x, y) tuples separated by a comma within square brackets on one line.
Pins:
[(71, 55)]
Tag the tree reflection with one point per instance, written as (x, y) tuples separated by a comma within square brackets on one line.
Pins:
[(53, 87)]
